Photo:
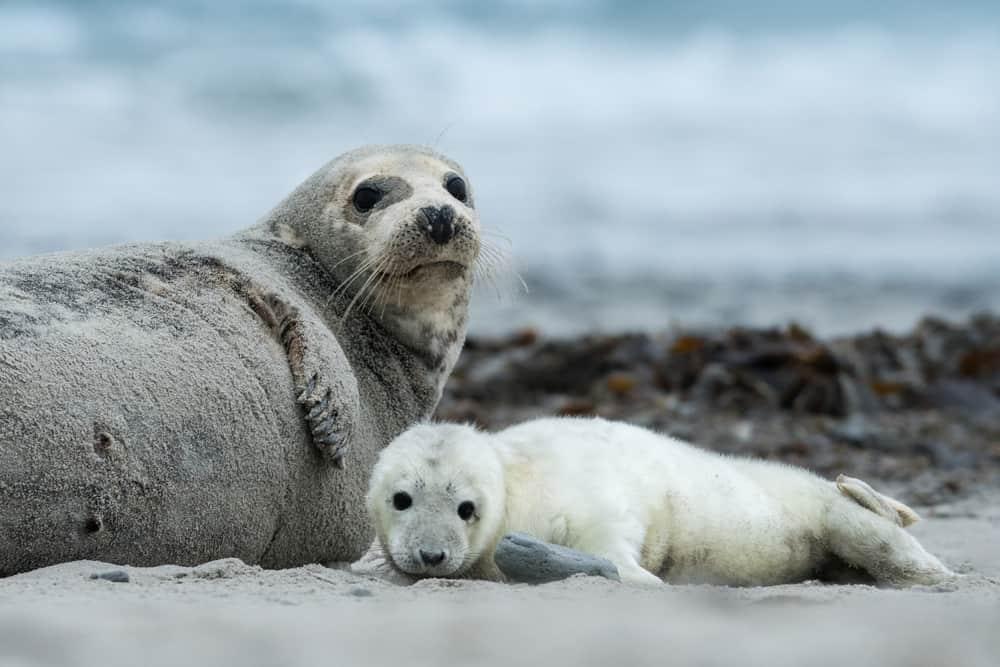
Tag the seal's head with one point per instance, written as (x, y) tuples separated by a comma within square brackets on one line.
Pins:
[(397, 228), (437, 499)]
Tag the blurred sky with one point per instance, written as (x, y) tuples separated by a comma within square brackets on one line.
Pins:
[(703, 163)]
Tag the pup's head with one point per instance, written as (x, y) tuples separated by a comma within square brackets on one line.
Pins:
[(437, 499)]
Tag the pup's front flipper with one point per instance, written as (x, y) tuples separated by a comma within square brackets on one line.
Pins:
[(375, 564), (328, 395)]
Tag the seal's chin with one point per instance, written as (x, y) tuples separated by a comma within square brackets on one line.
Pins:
[(438, 572)]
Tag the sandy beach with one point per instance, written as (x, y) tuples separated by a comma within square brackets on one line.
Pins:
[(769, 230), (227, 612)]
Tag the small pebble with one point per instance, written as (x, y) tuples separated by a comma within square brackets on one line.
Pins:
[(116, 576), (360, 592)]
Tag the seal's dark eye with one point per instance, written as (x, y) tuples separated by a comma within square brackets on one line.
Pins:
[(366, 197), (466, 510), (456, 186), (401, 501)]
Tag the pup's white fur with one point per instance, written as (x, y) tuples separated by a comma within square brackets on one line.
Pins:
[(658, 508)]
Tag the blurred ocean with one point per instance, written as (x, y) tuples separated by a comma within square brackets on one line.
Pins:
[(701, 163)]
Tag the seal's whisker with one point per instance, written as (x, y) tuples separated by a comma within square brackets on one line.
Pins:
[(361, 267), (350, 279), (444, 131), (347, 282), (387, 289), (493, 252), (377, 293), (490, 266), (355, 276), (489, 262), (494, 263), (351, 256), (394, 282), (399, 290), (364, 286), (485, 273), (368, 288), (488, 253), (499, 235), (487, 276)]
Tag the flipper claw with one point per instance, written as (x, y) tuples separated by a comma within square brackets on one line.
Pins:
[(320, 408)]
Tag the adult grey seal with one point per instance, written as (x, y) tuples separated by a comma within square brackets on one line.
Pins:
[(177, 403)]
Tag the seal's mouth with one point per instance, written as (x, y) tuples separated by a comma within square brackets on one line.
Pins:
[(414, 568), (422, 572), (442, 270)]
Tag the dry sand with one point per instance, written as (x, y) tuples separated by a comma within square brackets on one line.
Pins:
[(229, 613)]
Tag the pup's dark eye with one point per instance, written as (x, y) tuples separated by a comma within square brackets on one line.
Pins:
[(466, 510), (401, 501), (366, 197), (456, 186)]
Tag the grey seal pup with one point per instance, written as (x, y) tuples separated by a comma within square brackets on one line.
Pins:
[(443, 496), (183, 402)]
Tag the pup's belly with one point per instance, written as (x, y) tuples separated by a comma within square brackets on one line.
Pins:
[(734, 540)]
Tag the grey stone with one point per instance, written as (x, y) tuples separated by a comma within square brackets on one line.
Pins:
[(524, 559)]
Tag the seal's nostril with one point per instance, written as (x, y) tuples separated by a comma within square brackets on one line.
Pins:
[(440, 223), (431, 558)]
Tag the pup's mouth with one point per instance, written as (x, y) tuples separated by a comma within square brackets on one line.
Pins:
[(421, 571), (431, 572)]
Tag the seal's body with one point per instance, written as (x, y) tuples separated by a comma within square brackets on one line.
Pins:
[(176, 403), (442, 496)]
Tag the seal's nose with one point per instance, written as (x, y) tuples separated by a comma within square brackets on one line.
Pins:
[(439, 223), (431, 558)]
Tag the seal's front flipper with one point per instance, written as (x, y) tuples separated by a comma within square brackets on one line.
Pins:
[(375, 564), (330, 433), (864, 495), (330, 408)]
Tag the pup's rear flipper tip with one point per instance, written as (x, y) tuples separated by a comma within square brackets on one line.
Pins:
[(863, 494)]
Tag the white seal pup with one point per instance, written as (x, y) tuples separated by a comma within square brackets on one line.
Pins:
[(183, 402), (443, 495)]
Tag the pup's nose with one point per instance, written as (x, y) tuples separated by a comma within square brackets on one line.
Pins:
[(439, 223), (431, 557)]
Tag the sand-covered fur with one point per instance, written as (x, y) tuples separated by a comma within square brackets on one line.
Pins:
[(175, 403)]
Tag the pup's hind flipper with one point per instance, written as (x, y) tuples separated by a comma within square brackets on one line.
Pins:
[(864, 495)]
